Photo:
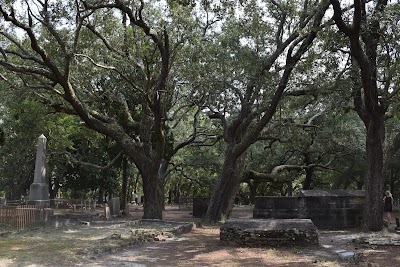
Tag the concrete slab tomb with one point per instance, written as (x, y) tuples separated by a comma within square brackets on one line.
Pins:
[(269, 232), (328, 209)]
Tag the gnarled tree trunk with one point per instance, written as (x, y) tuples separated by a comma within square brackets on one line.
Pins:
[(221, 205), (124, 188), (374, 180), (153, 201), (241, 131), (153, 190), (364, 36)]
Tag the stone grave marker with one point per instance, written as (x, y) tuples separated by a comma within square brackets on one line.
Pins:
[(107, 213), (114, 204), (39, 189)]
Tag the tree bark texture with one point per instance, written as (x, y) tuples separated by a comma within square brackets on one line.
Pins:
[(221, 205), (309, 173), (124, 188), (153, 189), (364, 36), (374, 181), (153, 197), (253, 191)]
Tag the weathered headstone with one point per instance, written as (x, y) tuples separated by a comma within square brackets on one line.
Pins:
[(107, 213), (39, 190), (114, 204)]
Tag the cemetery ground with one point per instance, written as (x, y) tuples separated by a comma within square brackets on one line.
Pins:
[(80, 240)]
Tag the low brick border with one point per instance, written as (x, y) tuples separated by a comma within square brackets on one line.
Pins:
[(269, 232)]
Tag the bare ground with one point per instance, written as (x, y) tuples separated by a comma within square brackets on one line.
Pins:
[(118, 243)]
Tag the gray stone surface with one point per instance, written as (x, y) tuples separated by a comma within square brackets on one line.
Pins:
[(107, 213), (114, 204), (39, 189), (332, 193), (328, 209), (277, 207), (269, 232), (383, 241), (350, 256), (40, 164), (346, 254)]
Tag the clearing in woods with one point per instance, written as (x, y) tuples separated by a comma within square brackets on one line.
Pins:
[(124, 242)]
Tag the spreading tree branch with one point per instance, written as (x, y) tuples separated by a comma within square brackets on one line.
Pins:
[(94, 166)]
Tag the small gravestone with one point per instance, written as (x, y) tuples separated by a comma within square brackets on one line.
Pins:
[(114, 204), (107, 213), (39, 189)]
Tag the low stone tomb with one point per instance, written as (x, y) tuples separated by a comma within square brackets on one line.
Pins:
[(277, 207), (333, 209), (328, 209), (269, 232)]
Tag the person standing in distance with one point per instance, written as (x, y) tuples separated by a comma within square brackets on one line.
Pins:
[(388, 206)]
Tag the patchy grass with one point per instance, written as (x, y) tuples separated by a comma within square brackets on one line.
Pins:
[(39, 250), (75, 244)]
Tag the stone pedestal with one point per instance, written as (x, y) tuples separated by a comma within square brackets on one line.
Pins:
[(41, 204), (39, 193)]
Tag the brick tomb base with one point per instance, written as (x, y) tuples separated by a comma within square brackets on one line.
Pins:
[(269, 232)]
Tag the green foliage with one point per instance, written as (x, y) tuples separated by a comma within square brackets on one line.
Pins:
[(195, 171), (22, 124)]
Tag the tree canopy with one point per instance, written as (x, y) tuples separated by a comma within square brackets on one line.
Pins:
[(222, 98)]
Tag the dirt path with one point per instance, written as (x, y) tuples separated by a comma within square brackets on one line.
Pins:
[(201, 247)]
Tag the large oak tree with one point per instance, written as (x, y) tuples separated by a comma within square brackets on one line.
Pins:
[(259, 51), (373, 90), (107, 62)]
